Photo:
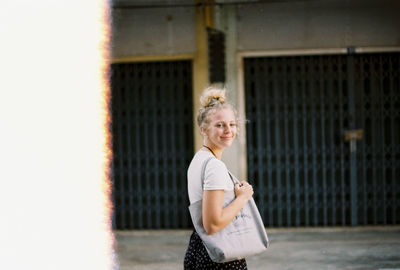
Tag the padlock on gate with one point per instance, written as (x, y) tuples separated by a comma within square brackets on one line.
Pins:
[(352, 136)]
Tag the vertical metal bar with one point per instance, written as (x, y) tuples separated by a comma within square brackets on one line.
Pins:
[(277, 148), (127, 178), (118, 138), (169, 151), (180, 139), (296, 150), (382, 137), (181, 129), (393, 137), (250, 100), (323, 147), (137, 87), (305, 146), (332, 99), (154, 99), (260, 94), (147, 154), (179, 84), (182, 67), (367, 78), (353, 157), (124, 209), (249, 115), (362, 145), (373, 148), (314, 149), (342, 150), (174, 174), (272, 204), (130, 126), (165, 155), (286, 116), (175, 91), (395, 141), (188, 118)]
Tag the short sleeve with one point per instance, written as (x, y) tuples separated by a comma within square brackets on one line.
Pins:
[(216, 176)]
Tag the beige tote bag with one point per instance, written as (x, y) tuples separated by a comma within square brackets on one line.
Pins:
[(245, 235)]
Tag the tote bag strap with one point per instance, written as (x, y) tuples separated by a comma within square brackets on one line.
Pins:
[(233, 178)]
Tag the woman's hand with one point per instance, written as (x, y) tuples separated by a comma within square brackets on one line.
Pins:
[(244, 190)]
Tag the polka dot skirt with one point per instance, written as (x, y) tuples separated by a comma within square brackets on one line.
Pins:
[(197, 258)]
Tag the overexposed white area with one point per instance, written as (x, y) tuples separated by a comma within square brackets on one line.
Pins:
[(54, 205)]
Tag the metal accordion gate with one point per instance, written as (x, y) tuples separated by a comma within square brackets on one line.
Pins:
[(152, 129), (301, 110)]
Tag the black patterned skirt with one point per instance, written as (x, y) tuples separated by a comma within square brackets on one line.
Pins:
[(197, 258)]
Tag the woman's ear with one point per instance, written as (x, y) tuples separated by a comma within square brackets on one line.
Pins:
[(203, 131)]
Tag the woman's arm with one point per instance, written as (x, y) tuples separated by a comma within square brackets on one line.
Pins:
[(214, 216)]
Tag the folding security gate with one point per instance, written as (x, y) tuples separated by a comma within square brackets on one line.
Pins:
[(304, 171), (152, 143)]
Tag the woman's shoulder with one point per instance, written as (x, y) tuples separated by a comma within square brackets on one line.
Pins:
[(201, 156), (217, 163)]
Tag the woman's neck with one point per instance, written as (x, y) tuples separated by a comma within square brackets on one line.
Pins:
[(215, 151)]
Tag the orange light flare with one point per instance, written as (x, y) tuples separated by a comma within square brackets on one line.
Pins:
[(55, 139)]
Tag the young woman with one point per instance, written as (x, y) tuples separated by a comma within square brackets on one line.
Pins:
[(218, 125)]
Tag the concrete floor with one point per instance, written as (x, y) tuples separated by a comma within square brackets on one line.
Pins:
[(361, 248)]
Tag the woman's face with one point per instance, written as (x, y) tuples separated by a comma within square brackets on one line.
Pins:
[(221, 130)]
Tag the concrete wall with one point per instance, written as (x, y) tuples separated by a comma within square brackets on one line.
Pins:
[(153, 31), (267, 26), (318, 24)]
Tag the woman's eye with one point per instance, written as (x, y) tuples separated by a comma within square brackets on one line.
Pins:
[(219, 125), (233, 124)]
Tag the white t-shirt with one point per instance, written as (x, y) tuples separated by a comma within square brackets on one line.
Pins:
[(216, 176)]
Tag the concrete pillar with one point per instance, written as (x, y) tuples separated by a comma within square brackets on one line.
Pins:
[(200, 69), (235, 156)]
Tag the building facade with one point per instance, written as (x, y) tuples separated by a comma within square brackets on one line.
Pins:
[(316, 84)]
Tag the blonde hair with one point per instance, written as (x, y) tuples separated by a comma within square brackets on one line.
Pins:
[(212, 99)]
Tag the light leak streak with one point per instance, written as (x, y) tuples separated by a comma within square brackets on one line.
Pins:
[(55, 149)]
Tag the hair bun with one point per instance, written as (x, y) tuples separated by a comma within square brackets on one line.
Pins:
[(212, 96)]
